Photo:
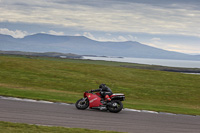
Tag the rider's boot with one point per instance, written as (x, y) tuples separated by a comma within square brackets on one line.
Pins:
[(107, 99)]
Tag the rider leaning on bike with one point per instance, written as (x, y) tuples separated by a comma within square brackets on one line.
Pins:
[(104, 91)]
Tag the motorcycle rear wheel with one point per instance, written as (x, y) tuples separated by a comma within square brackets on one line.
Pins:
[(82, 104), (118, 106)]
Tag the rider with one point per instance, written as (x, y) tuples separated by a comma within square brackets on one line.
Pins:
[(104, 91)]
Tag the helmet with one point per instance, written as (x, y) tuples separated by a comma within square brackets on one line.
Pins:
[(102, 85)]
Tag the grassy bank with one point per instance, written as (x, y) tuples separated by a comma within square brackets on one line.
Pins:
[(65, 80), (8, 127)]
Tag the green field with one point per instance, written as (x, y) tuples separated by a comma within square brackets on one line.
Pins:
[(65, 80), (8, 127)]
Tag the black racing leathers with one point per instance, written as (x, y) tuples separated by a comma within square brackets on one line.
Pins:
[(104, 91)]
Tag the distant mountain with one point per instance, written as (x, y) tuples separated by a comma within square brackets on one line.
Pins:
[(84, 46)]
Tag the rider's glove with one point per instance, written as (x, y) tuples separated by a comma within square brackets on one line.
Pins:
[(92, 91)]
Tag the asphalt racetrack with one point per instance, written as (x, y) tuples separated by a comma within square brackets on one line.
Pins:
[(58, 114)]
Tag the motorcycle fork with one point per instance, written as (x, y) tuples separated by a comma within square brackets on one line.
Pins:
[(84, 99)]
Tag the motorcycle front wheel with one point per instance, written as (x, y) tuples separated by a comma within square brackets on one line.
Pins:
[(82, 104), (116, 106)]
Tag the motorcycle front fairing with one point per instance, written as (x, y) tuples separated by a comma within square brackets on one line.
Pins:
[(94, 100)]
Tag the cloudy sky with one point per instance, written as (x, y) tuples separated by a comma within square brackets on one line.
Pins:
[(168, 24)]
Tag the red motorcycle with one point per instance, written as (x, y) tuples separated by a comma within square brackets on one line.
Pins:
[(94, 101)]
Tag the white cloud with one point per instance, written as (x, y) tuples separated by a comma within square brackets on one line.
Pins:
[(77, 34), (155, 39), (89, 35), (108, 34), (123, 39), (116, 16), (109, 37), (52, 32), (132, 38), (117, 19), (183, 49), (15, 34), (177, 47)]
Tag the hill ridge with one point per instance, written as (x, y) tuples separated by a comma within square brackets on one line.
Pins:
[(82, 45)]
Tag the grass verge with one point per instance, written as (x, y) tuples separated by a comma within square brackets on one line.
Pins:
[(8, 127)]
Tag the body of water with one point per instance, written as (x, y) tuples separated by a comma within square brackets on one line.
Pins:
[(162, 62)]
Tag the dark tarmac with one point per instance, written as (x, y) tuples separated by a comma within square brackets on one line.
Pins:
[(55, 114)]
